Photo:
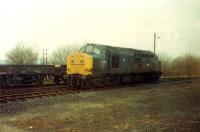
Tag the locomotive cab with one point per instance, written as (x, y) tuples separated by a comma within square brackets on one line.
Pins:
[(85, 62), (99, 57), (89, 61)]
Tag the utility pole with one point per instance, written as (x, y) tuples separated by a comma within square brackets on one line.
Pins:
[(154, 42), (46, 56), (43, 56)]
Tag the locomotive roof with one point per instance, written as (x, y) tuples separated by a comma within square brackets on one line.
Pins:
[(124, 50)]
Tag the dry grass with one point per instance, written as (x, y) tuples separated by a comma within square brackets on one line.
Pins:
[(155, 107)]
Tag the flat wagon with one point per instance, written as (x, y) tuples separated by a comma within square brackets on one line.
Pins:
[(17, 75)]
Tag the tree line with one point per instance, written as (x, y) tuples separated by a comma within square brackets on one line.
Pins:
[(22, 54), (185, 65)]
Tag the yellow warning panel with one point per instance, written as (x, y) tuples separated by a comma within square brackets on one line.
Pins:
[(79, 63)]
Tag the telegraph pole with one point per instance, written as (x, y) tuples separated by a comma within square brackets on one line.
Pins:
[(43, 56), (154, 42), (46, 56)]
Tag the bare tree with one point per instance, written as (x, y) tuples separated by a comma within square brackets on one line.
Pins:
[(22, 54), (183, 65), (192, 65), (166, 63), (59, 56), (177, 66)]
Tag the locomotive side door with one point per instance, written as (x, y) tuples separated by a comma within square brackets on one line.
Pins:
[(138, 64), (106, 60)]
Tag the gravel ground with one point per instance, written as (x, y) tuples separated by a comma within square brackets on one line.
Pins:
[(143, 107)]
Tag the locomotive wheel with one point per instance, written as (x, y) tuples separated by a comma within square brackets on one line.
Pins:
[(114, 81), (76, 83), (97, 83), (89, 83), (107, 81)]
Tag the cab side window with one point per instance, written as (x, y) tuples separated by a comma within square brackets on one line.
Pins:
[(96, 51)]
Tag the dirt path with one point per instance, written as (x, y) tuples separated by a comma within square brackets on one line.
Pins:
[(145, 107)]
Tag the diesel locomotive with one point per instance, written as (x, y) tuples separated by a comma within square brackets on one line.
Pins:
[(102, 65)]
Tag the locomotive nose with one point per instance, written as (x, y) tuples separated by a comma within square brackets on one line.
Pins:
[(79, 63)]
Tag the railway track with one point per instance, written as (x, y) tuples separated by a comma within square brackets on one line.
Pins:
[(178, 78), (22, 94)]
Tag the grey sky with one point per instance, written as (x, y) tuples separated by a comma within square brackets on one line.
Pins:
[(126, 23)]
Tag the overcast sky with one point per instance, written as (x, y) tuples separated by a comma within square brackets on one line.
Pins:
[(125, 23)]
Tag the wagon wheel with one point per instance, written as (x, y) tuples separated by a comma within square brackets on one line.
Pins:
[(3, 83), (57, 80), (41, 81)]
